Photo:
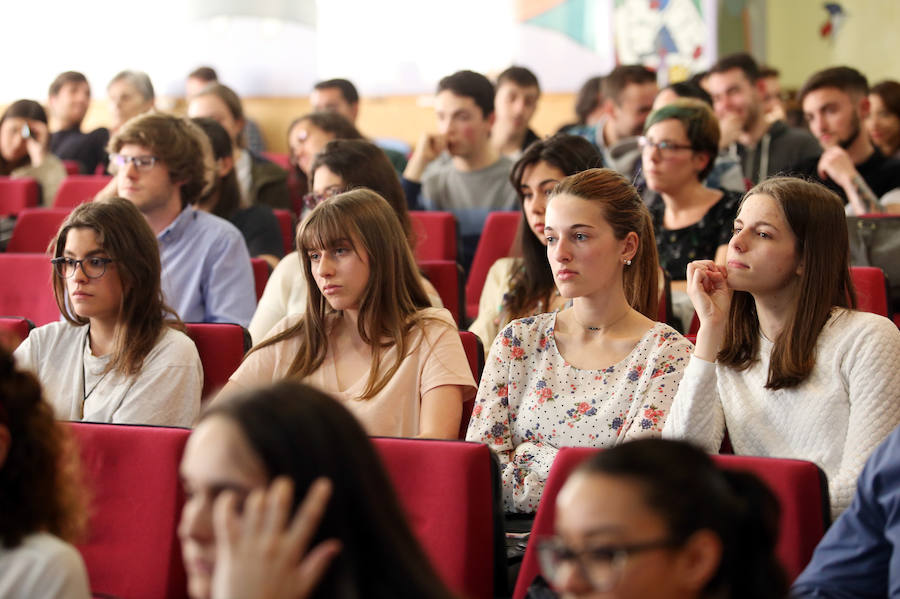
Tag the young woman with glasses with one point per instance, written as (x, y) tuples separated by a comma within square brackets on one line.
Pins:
[(114, 358), (656, 519), (343, 164)]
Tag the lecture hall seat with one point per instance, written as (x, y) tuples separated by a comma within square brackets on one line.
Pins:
[(221, 347), (446, 276), (14, 330), (35, 229), (31, 294), (78, 189), (496, 242), (17, 194), (435, 234)]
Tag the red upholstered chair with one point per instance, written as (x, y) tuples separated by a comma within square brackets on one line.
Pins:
[(221, 347), (132, 549), (496, 241), (27, 288), (35, 228), (871, 289), (800, 486), (446, 490), (261, 272), (72, 167), (446, 276), (475, 355), (286, 222), (435, 235), (18, 193), (78, 189), (282, 160), (15, 327)]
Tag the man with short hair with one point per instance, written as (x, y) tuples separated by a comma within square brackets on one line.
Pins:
[(457, 169), (515, 102), (68, 101), (835, 104), (771, 94), (763, 148), (202, 77), (160, 165)]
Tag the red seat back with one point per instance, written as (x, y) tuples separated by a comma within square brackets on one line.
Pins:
[(800, 486), (446, 490), (27, 289), (78, 189), (286, 222), (435, 235), (13, 330), (221, 347), (261, 271), (35, 228), (18, 193), (496, 241), (871, 289), (132, 549), (475, 355), (72, 167), (446, 276)]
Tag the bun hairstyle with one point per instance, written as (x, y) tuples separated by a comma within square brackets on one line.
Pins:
[(690, 493)]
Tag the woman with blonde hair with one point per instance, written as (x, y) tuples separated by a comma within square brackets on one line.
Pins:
[(597, 373), (368, 335), (114, 358)]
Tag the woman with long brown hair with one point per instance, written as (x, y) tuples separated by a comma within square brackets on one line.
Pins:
[(25, 148), (597, 373), (782, 360), (368, 334)]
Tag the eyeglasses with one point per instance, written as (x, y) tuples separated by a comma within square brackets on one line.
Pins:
[(311, 200), (666, 148), (602, 567), (93, 268), (141, 163)]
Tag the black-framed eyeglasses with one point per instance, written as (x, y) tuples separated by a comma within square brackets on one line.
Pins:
[(600, 566), (93, 268), (141, 163), (666, 148)]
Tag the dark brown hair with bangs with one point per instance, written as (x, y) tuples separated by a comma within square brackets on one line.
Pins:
[(390, 306)]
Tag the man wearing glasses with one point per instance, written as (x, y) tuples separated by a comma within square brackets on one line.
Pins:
[(158, 161)]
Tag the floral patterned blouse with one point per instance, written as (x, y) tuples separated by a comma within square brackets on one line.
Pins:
[(531, 401)]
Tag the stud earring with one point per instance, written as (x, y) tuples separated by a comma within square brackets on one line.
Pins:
[(628, 262)]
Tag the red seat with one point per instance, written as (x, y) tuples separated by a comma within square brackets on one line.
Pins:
[(282, 160), (871, 289), (221, 347), (446, 490), (446, 276), (261, 272), (475, 355), (35, 228), (132, 549), (27, 290), (286, 222), (72, 167), (496, 241), (435, 235), (18, 193), (800, 486), (13, 330), (78, 189)]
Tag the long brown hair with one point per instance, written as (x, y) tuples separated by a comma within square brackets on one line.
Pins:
[(625, 213), (816, 216), (390, 305), (124, 234)]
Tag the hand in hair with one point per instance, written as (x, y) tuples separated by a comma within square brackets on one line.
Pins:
[(37, 143), (707, 286), (259, 554)]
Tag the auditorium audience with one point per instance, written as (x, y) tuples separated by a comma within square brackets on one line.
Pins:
[(883, 123), (596, 374), (114, 357), (782, 361), (130, 94), (67, 102), (163, 163), (202, 77), (521, 286), (41, 501), (25, 148), (515, 102), (368, 334), (343, 164)]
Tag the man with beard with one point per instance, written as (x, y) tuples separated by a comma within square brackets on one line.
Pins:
[(835, 104)]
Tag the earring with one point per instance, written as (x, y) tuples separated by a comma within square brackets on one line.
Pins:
[(628, 262)]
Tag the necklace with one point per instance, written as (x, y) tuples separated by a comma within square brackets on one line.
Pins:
[(85, 394), (600, 328)]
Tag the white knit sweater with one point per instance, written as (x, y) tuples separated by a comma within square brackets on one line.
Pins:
[(835, 418)]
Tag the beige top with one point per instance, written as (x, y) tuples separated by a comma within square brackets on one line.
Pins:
[(49, 175), (437, 360), (490, 304)]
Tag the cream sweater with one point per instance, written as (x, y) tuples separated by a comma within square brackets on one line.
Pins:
[(835, 418)]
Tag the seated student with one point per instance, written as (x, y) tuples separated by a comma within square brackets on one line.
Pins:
[(257, 223), (589, 107), (343, 164), (130, 94), (883, 123), (781, 361), (260, 180), (368, 334), (690, 221), (67, 102), (202, 77), (515, 102), (522, 286), (114, 358), (25, 148), (657, 519), (41, 503), (245, 469), (596, 374), (162, 163)]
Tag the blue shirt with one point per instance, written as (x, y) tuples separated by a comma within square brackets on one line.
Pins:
[(858, 556), (206, 272)]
